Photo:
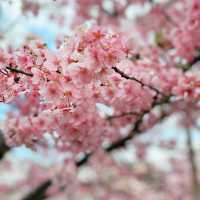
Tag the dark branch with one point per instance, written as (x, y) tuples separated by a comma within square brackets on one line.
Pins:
[(3, 146), (16, 70), (122, 74), (124, 114), (83, 160), (136, 128), (40, 192)]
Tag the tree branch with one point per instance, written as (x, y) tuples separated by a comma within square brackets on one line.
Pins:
[(16, 70), (3, 146), (124, 114), (122, 74), (40, 192), (83, 160), (136, 128)]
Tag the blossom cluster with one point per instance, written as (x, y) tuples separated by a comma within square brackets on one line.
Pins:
[(62, 92), (59, 92)]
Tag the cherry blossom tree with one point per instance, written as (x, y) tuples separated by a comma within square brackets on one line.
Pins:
[(114, 78)]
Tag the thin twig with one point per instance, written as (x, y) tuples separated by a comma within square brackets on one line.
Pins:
[(122, 74)]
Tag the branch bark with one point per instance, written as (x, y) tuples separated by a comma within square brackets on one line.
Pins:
[(124, 114), (3, 146), (16, 70), (40, 192)]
